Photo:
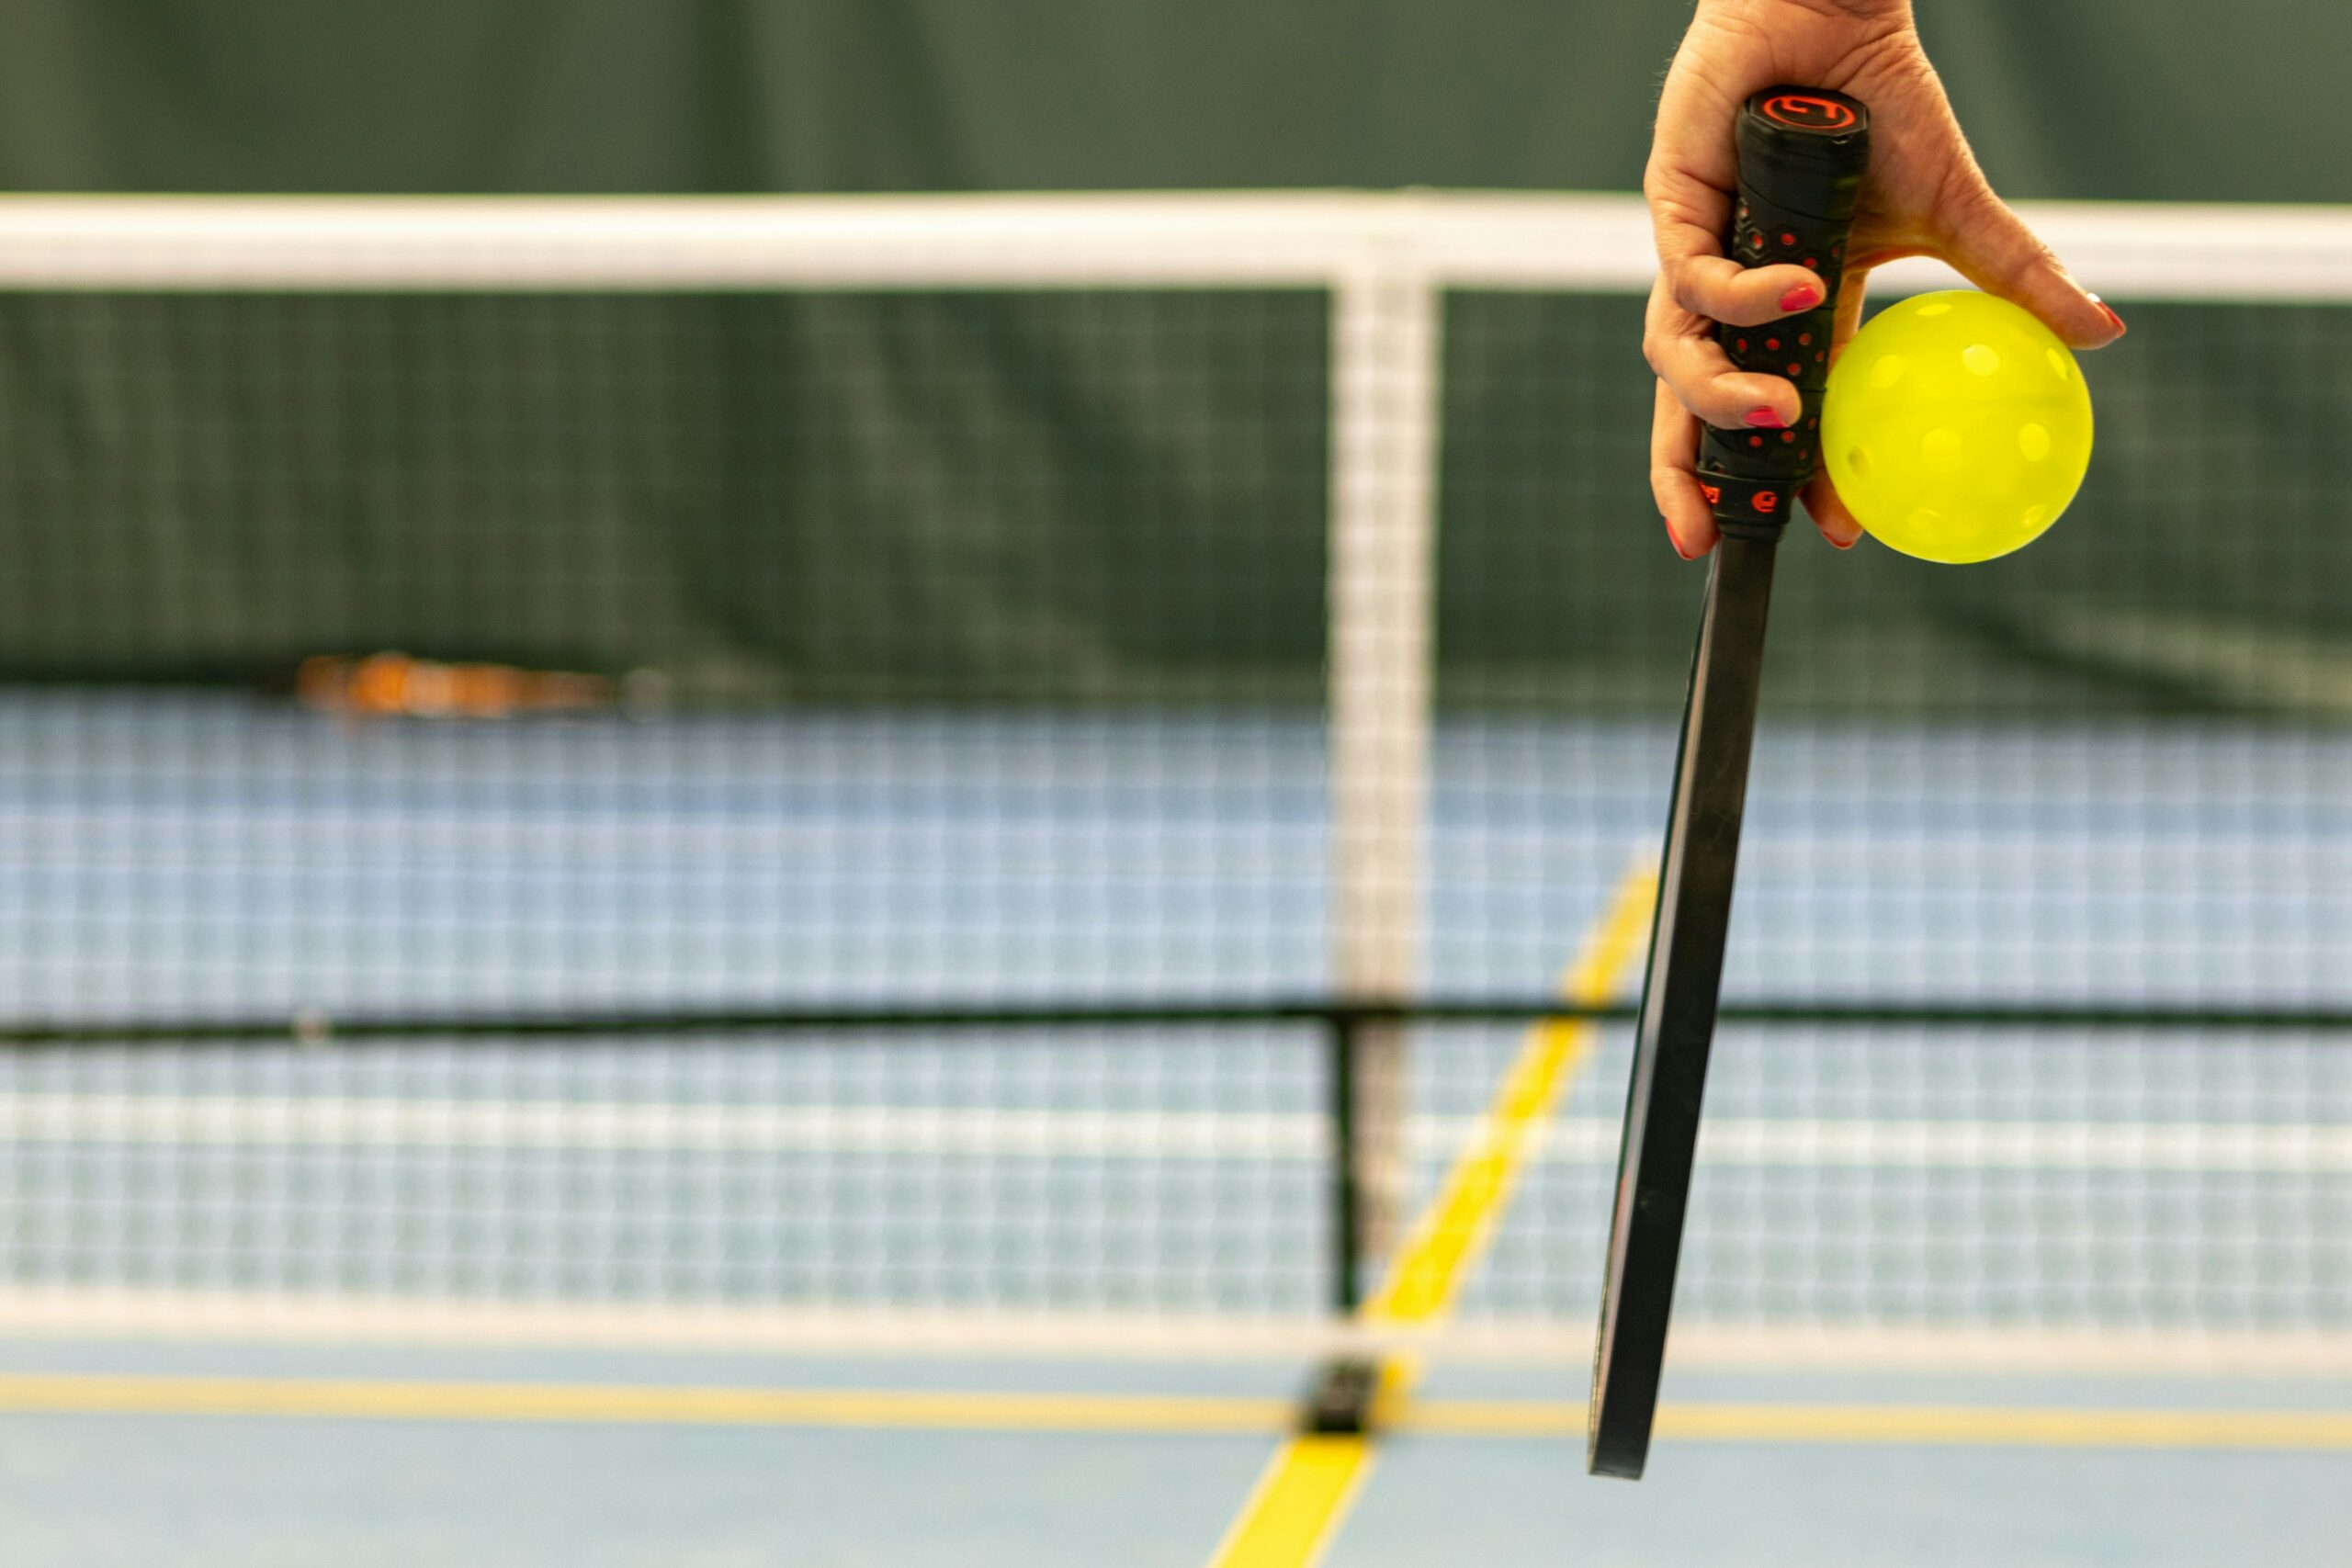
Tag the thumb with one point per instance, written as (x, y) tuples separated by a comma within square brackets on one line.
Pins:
[(1992, 248)]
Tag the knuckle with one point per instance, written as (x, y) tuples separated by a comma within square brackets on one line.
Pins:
[(1721, 392), (2016, 265), (2036, 256), (1688, 292)]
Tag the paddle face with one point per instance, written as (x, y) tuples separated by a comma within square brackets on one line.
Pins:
[(1802, 156)]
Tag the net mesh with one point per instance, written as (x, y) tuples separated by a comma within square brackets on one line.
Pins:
[(1021, 632)]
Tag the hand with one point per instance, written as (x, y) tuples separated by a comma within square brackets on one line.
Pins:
[(1924, 195)]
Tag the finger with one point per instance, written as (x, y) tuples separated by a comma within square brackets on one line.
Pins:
[(1830, 512), (1682, 349), (1674, 448), (1709, 386), (1993, 249), (1827, 508), (1688, 178), (1853, 293), (1721, 290)]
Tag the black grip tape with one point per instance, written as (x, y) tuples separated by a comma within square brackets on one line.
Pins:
[(1754, 507), (1801, 154), (1763, 234), (1793, 346)]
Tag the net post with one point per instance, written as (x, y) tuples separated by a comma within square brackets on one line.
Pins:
[(1385, 337), (1346, 1198)]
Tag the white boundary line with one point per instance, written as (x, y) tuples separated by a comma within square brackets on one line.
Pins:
[(88, 1313), (358, 1122)]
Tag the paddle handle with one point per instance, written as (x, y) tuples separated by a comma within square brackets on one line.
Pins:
[(1803, 152)]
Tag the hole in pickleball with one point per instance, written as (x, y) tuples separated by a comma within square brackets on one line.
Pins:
[(2058, 363), (2034, 440), (1980, 359), (1935, 308), (2034, 516), (1941, 450), (1858, 460), (1887, 371)]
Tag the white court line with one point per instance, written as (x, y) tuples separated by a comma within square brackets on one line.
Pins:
[(87, 1313), (387, 1122), (570, 1124)]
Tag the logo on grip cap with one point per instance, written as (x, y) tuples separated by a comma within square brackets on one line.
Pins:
[(1806, 112)]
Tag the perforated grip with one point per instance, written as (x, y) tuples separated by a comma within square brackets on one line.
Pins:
[(1801, 154)]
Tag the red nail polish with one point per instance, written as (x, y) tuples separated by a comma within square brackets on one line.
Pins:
[(1766, 419), (1844, 543), (1676, 540), (2108, 312), (1803, 296)]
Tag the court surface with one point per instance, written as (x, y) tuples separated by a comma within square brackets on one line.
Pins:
[(664, 1482), (2142, 1240)]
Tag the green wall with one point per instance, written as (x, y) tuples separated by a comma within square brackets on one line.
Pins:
[(2150, 99)]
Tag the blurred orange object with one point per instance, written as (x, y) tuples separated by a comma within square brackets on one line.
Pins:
[(394, 685)]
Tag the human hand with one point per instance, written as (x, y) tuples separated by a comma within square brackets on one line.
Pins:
[(1924, 195)]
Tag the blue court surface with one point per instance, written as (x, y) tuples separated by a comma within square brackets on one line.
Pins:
[(1952, 1295)]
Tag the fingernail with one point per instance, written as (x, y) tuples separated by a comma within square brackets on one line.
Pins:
[(2112, 318), (1766, 419), (1676, 540), (1803, 296), (1843, 544)]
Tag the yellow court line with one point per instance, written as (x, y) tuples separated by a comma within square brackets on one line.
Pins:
[(1980, 1426), (1304, 1495), (1314, 1488), (622, 1404), (1296, 1508), (1990, 1427), (1450, 1234)]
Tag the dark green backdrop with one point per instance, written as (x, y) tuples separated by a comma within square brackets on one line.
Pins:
[(2150, 99)]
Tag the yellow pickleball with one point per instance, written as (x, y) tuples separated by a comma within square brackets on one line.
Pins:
[(1956, 426)]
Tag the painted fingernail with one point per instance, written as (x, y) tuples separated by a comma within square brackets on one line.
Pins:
[(1766, 419), (1843, 544), (1803, 296), (1676, 540), (2108, 312)]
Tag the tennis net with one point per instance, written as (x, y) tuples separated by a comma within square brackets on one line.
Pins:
[(1020, 766)]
